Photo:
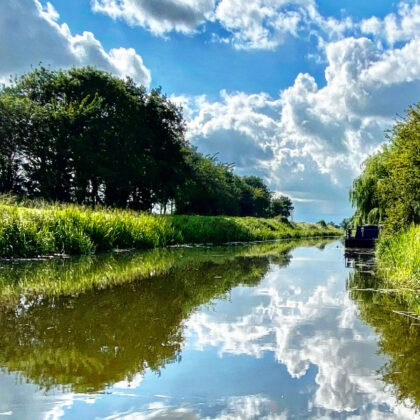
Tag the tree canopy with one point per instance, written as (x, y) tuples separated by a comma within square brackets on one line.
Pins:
[(388, 190), (82, 135)]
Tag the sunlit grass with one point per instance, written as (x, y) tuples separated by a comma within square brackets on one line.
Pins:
[(31, 229), (399, 258)]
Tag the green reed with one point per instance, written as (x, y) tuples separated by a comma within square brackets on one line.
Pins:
[(43, 229), (399, 258)]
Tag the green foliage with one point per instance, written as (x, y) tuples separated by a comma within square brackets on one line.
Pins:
[(281, 206), (399, 258), (45, 229), (255, 197), (28, 232), (365, 195), (401, 191), (388, 190), (85, 136), (211, 188), (346, 223)]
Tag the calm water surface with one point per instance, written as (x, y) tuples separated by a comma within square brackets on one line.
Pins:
[(266, 331)]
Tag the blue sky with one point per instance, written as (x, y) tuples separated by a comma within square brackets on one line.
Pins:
[(296, 91)]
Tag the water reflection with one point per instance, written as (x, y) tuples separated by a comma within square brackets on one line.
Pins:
[(399, 334), (280, 335), (97, 339)]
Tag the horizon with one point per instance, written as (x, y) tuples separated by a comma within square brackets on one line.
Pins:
[(297, 92)]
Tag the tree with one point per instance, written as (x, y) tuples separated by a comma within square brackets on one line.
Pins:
[(400, 191), (388, 190), (281, 206), (210, 187), (346, 223), (257, 197), (13, 120), (90, 137), (364, 194)]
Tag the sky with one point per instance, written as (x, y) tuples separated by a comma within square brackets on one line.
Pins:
[(299, 92)]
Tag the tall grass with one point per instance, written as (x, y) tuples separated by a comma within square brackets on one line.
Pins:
[(31, 230), (399, 258)]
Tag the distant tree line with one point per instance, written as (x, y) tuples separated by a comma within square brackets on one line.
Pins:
[(388, 190), (85, 136)]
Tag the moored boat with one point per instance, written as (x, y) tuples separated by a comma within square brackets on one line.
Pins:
[(364, 236)]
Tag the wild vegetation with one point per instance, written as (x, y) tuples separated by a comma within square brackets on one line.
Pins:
[(388, 192), (41, 228), (84, 136), (399, 259)]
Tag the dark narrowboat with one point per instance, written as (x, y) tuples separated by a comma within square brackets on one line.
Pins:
[(364, 236)]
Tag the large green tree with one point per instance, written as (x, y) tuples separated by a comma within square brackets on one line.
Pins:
[(82, 135), (281, 206), (93, 138), (388, 190)]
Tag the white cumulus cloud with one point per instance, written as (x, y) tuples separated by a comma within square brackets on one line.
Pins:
[(310, 141), (258, 24), (30, 34), (401, 26), (158, 16)]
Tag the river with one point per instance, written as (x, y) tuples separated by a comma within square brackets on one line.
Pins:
[(272, 330)]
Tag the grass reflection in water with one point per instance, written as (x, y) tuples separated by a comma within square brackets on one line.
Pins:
[(101, 337), (399, 335)]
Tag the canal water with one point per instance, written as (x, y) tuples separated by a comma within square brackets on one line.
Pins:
[(279, 331)]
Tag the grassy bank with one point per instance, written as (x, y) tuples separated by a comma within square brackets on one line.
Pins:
[(399, 258), (30, 231), (398, 266)]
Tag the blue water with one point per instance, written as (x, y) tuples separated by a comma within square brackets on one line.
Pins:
[(290, 347)]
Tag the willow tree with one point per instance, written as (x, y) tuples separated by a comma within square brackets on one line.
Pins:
[(388, 190), (401, 191), (365, 192)]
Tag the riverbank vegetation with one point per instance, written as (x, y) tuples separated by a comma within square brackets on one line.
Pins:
[(399, 258), (84, 136), (37, 228), (388, 192)]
